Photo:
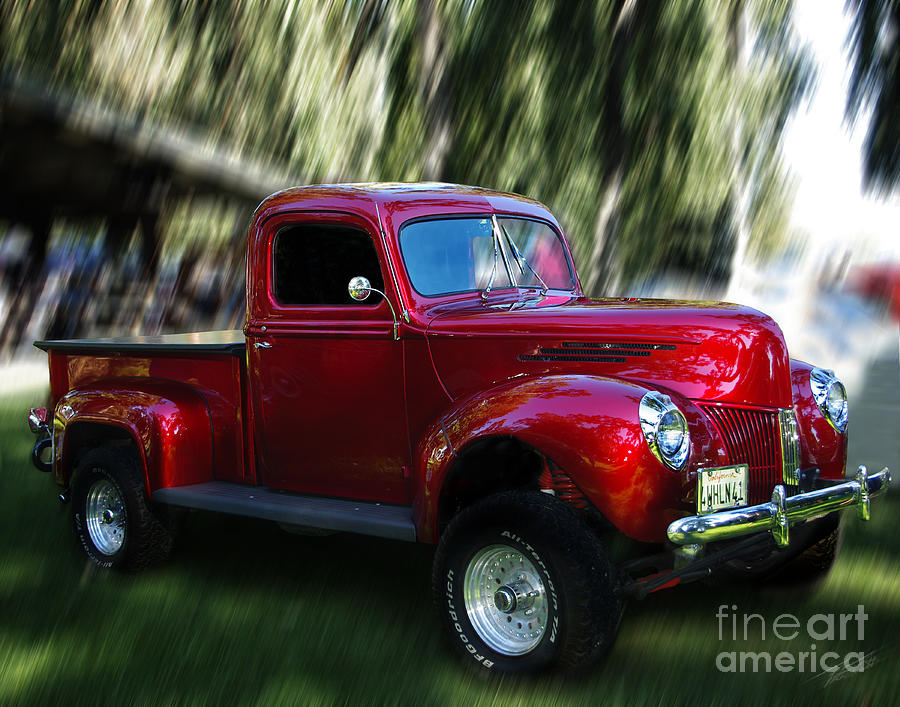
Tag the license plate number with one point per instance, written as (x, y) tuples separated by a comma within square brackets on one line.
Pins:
[(723, 487)]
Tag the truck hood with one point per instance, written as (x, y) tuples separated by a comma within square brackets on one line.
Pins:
[(702, 350)]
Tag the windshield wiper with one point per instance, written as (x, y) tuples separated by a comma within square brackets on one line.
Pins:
[(521, 261), (499, 252), (495, 238)]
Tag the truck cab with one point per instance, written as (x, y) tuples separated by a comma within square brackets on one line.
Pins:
[(419, 362)]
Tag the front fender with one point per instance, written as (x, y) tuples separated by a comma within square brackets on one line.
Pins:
[(168, 421), (820, 444), (588, 425)]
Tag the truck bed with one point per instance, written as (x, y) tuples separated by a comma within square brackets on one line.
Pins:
[(211, 363)]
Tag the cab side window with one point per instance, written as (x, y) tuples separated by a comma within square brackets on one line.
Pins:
[(314, 262)]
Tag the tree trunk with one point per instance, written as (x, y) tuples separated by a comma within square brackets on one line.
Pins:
[(601, 277), (741, 194), (601, 274), (434, 89)]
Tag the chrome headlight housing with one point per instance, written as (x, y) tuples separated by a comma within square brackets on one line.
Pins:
[(831, 397), (665, 429)]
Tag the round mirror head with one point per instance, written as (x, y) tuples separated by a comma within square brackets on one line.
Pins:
[(359, 288)]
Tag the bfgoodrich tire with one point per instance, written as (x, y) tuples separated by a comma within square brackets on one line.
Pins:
[(813, 564), (522, 585), (113, 521)]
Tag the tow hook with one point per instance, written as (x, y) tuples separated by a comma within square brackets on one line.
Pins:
[(37, 453)]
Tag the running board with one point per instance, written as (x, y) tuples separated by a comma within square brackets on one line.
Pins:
[(364, 517)]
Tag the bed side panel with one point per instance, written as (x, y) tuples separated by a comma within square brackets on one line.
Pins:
[(215, 377)]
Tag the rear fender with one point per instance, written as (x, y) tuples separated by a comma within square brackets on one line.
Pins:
[(588, 425), (168, 421)]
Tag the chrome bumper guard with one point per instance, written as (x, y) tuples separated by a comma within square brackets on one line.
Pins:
[(781, 512)]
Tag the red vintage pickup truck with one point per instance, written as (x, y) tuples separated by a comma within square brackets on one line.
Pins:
[(419, 362)]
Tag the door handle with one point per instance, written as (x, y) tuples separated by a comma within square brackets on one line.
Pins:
[(262, 345)]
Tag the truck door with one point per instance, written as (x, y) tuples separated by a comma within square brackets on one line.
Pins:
[(325, 370)]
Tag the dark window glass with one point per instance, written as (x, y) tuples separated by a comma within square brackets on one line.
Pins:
[(315, 262)]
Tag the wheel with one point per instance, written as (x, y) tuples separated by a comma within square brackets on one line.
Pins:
[(113, 520), (522, 585)]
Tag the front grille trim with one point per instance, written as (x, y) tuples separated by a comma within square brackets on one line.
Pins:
[(790, 447)]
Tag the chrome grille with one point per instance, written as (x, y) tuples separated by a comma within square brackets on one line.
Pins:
[(758, 438)]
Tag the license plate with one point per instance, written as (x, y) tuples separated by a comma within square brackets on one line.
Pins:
[(723, 487)]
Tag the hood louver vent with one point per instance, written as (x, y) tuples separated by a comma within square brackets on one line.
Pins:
[(597, 352)]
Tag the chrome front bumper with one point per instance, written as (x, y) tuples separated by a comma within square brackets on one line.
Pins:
[(781, 512)]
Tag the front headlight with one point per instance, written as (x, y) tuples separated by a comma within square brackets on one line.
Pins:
[(665, 429), (831, 397)]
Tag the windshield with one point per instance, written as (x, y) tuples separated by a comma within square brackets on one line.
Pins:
[(445, 256)]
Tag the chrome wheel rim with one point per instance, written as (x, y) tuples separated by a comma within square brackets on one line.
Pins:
[(105, 516), (505, 599)]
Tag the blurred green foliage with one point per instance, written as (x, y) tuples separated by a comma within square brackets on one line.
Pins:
[(651, 128)]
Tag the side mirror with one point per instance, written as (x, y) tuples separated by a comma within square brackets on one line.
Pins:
[(359, 288)]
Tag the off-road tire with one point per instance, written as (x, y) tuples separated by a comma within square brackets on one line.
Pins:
[(148, 531), (806, 566), (583, 605), (812, 564)]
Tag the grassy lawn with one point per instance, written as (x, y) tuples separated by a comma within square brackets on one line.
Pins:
[(246, 613)]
